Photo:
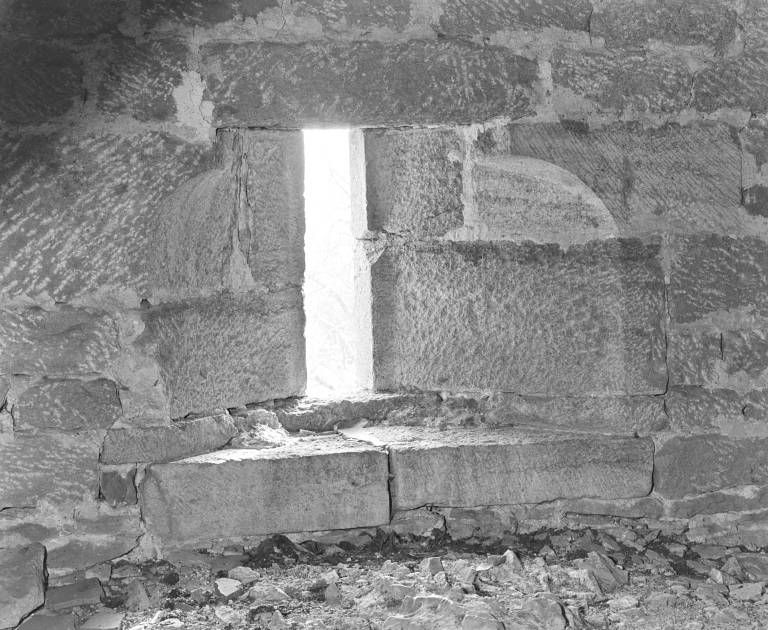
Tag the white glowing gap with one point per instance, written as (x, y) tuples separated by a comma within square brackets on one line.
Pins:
[(329, 255)]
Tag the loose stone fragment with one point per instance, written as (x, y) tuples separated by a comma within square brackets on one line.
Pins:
[(229, 588), (267, 593), (750, 592), (609, 577), (431, 565), (104, 621), (245, 575)]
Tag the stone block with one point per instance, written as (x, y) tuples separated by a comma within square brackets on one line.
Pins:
[(180, 439), (62, 342), (60, 469), (717, 273), (72, 19), (754, 169), (414, 181), (737, 82), (40, 81), (699, 410), (488, 316), (619, 80), (627, 415), (83, 593), (485, 17), (236, 493), (170, 14), (228, 350), (706, 463), (710, 24), (68, 405), (105, 190), (626, 167), (22, 583), (345, 15), (476, 467), (732, 359), (364, 83), (48, 621), (138, 79), (118, 486), (742, 499)]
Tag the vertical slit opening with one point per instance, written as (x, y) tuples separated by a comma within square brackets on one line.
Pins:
[(330, 304)]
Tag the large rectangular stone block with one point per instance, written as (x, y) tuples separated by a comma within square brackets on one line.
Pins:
[(310, 484), (485, 17), (717, 273), (60, 469), (631, 23), (163, 444), (228, 350), (681, 179), (705, 463), (527, 319), (469, 467), (414, 180), (699, 410), (162, 218), (364, 83), (739, 81)]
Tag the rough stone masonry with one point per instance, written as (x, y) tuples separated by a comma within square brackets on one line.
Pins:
[(563, 219)]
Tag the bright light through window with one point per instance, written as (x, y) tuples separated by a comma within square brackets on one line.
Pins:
[(329, 255)]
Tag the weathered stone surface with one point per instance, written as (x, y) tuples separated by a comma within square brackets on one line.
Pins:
[(743, 499), (118, 486), (470, 467), (414, 180), (173, 13), (754, 167), (339, 483), (62, 342), (730, 528), (632, 23), (68, 405), (732, 359), (228, 350), (345, 14), (479, 316), (57, 468), (705, 463), (83, 593), (717, 273), (642, 507), (459, 17), (699, 410), (104, 190), (628, 168), (521, 198), (739, 82), (48, 621), (619, 80), (625, 415), (138, 79), (364, 83), (22, 583), (38, 81), (162, 444), (56, 18)]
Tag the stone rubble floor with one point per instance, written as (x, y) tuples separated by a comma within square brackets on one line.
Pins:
[(608, 578)]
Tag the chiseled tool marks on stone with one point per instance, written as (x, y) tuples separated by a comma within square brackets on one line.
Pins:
[(414, 180), (474, 17), (311, 484), (634, 23), (62, 342), (469, 467), (228, 350), (38, 82), (68, 405), (712, 273), (650, 180), (704, 463), (359, 83), (60, 469), (139, 79), (523, 318), (79, 215)]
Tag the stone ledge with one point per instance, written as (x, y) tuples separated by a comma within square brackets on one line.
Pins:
[(319, 483), (470, 467)]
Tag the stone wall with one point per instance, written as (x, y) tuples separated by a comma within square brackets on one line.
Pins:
[(566, 205)]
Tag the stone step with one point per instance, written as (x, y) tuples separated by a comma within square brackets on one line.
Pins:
[(349, 480), (472, 467), (310, 484)]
